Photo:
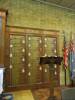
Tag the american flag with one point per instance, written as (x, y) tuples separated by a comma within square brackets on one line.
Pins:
[(65, 54), (65, 57)]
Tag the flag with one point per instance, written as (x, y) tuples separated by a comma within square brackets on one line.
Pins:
[(65, 57), (65, 54), (72, 58)]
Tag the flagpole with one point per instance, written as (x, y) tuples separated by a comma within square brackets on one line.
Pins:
[(65, 76), (64, 59)]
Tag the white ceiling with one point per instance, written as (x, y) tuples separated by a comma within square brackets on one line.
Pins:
[(64, 3)]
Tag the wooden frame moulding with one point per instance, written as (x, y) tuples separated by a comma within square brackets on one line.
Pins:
[(3, 15)]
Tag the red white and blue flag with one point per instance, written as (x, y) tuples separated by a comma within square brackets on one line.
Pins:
[(72, 58), (65, 54)]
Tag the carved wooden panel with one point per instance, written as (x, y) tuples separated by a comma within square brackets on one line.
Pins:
[(17, 59), (25, 50), (33, 55), (50, 49), (24, 59)]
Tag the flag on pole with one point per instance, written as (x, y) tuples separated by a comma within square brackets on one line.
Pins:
[(65, 53), (72, 58), (65, 57)]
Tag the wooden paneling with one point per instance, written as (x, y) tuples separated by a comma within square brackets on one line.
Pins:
[(17, 59), (24, 52)]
